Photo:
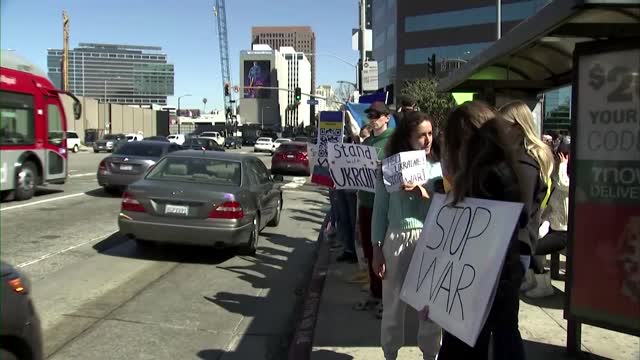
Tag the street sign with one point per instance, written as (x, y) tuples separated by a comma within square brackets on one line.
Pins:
[(370, 76), (312, 102)]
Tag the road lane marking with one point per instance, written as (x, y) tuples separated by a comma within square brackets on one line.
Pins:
[(80, 175), (46, 256), (42, 201)]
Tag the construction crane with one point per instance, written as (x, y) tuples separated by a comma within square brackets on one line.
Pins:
[(220, 13)]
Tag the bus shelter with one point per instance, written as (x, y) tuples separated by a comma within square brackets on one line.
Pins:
[(594, 46)]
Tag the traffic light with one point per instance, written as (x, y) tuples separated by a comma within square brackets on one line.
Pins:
[(226, 90), (298, 94), (431, 65)]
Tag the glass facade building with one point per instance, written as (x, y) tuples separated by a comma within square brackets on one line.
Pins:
[(121, 74), (407, 32)]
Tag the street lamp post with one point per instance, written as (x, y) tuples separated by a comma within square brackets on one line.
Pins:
[(104, 105), (178, 111)]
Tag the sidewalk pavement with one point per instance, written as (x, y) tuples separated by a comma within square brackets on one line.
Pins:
[(342, 333)]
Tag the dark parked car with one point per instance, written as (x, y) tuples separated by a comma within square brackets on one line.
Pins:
[(157, 138), (291, 158), (233, 142), (202, 144), (302, 139), (203, 198), (108, 142), (21, 333), (129, 162)]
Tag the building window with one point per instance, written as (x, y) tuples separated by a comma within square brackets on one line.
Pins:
[(378, 41), (472, 16), (420, 56), (391, 31)]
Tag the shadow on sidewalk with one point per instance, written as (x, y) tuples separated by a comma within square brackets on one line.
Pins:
[(281, 272)]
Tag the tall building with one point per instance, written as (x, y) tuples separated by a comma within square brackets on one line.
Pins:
[(272, 108), (407, 32), (121, 74), (325, 91), (298, 74), (301, 38)]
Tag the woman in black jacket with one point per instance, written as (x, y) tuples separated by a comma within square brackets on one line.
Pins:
[(483, 165)]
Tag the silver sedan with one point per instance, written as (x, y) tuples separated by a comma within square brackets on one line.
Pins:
[(203, 198)]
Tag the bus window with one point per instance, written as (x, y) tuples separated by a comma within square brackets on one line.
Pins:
[(56, 132), (17, 125)]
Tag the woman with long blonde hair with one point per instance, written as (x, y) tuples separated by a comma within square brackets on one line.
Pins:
[(535, 162)]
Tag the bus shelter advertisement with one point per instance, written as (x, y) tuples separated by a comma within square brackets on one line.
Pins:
[(605, 253)]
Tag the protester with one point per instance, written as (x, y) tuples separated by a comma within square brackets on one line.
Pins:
[(553, 231), (397, 222), (407, 105), (535, 164), (482, 165), (346, 201), (378, 115)]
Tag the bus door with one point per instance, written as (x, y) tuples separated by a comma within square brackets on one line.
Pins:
[(56, 150)]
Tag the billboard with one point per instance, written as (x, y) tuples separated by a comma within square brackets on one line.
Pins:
[(257, 73)]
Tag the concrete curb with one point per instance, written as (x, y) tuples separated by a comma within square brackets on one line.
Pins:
[(302, 342)]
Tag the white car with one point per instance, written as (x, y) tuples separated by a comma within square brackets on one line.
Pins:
[(177, 139), (73, 141), (279, 142), (264, 144), (134, 137), (214, 135)]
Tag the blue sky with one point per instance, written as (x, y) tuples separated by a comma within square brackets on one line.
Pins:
[(186, 30)]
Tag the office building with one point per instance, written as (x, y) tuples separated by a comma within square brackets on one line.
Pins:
[(407, 32), (326, 92), (301, 38), (121, 74), (272, 108)]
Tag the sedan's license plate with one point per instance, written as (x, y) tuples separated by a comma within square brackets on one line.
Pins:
[(176, 210), (126, 167)]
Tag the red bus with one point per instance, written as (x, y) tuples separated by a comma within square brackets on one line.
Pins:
[(33, 124)]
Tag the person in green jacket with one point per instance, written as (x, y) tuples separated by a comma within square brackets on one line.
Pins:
[(398, 218), (378, 115)]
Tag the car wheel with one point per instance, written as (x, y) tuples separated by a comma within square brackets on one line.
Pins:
[(7, 355), (276, 218), (76, 148), (26, 181), (252, 245)]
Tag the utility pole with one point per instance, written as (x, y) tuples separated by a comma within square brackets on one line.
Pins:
[(104, 104), (498, 19), (363, 51), (65, 51)]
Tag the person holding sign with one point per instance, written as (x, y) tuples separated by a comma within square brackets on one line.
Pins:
[(482, 165), (378, 115), (397, 222)]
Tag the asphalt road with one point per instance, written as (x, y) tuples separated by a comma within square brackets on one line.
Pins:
[(100, 296)]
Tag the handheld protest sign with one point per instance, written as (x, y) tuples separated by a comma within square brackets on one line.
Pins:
[(353, 166), (405, 167), (457, 261)]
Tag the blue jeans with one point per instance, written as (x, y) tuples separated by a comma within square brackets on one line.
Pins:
[(346, 202)]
